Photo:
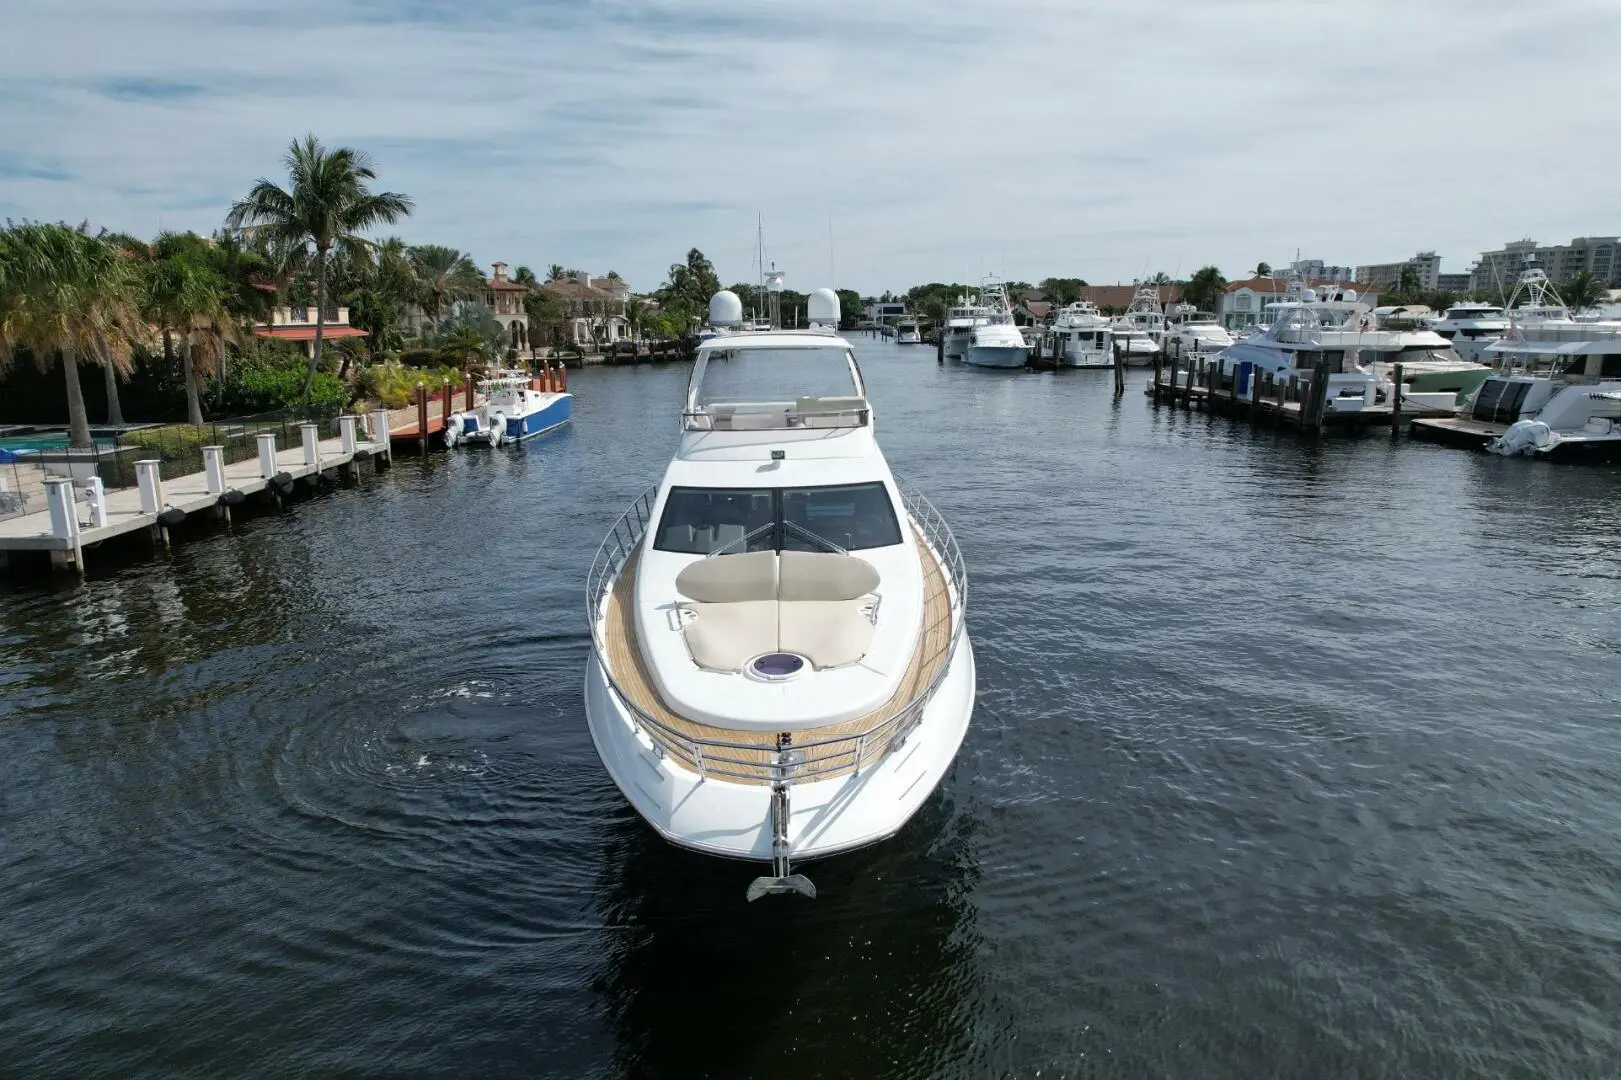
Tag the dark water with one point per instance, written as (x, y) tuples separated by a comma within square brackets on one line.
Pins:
[(1291, 760)]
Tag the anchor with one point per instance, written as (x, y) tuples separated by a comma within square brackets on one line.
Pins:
[(781, 879)]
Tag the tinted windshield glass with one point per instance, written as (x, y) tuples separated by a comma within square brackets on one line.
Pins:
[(759, 374), (702, 521), (851, 516), (699, 521)]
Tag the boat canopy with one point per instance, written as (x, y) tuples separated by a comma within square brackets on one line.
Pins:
[(769, 381)]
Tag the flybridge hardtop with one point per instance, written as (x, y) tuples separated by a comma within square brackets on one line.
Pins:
[(779, 666)]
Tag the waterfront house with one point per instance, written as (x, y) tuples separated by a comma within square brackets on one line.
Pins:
[(298, 325), (504, 297), (593, 309)]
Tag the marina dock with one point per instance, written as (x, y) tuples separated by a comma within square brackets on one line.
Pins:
[(1198, 382), (79, 514)]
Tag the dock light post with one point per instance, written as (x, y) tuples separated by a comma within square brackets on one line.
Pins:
[(96, 493)]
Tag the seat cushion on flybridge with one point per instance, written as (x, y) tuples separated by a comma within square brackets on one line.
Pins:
[(726, 636)]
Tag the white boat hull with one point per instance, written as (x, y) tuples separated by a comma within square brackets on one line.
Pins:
[(956, 344), (826, 817), (996, 356)]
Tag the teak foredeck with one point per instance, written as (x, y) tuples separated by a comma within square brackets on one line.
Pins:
[(750, 756)]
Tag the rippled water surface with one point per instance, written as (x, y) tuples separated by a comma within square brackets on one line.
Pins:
[(1290, 760)]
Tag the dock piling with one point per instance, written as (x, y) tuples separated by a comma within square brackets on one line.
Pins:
[(214, 470), (379, 435), (422, 417), (96, 496), (149, 481), (311, 436), (1119, 370), (346, 433), (64, 524), (1395, 401), (1159, 370), (267, 455)]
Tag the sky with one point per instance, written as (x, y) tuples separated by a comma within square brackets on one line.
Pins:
[(882, 143)]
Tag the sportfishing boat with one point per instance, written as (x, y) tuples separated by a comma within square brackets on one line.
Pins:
[(515, 409), (1145, 313), (961, 319), (779, 667), (906, 331), (997, 342), (1079, 337), (1471, 327)]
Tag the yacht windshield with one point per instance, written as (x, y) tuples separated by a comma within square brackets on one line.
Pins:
[(765, 374), (704, 521)]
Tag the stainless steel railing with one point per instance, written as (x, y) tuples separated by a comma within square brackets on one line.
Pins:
[(788, 760)]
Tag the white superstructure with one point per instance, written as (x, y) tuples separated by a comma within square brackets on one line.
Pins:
[(779, 668), (1471, 327), (1079, 337)]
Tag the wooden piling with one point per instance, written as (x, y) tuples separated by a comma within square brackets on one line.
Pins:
[(1119, 370), (467, 382), (1174, 358), (446, 403), (422, 416), (1159, 369)]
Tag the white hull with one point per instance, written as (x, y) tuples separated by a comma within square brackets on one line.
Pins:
[(908, 337), (826, 817), (956, 344), (996, 356)]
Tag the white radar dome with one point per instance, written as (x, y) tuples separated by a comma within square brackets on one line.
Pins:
[(725, 309), (822, 308)]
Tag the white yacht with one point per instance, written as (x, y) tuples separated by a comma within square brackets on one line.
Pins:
[(1145, 313), (779, 667), (515, 409), (1471, 327), (995, 343), (1079, 337), (1555, 391), (1307, 329), (906, 331), (961, 319), (1138, 345), (1193, 333)]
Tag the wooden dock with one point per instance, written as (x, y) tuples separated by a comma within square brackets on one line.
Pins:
[(1303, 404), (76, 518)]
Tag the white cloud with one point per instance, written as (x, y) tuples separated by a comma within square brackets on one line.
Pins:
[(941, 140)]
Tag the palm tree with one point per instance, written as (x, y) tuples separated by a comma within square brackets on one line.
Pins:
[(1583, 290), (327, 202), (64, 291), (524, 276), (445, 274), (555, 272), (136, 252), (1408, 283), (1205, 288), (1263, 269), (183, 293)]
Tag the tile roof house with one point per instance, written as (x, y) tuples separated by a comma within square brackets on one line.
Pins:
[(593, 309), (1118, 297), (298, 325), (1243, 303)]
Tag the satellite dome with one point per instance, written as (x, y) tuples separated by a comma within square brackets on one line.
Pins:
[(822, 308), (725, 309)]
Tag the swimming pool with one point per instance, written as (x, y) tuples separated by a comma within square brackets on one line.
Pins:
[(44, 441)]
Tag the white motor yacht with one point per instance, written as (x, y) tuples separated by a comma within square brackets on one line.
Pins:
[(961, 319), (995, 343), (906, 331), (1137, 344), (779, 667), (1079, 337), (1471, 327), (1192, 333), (1145, 313), (1307, 329)]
